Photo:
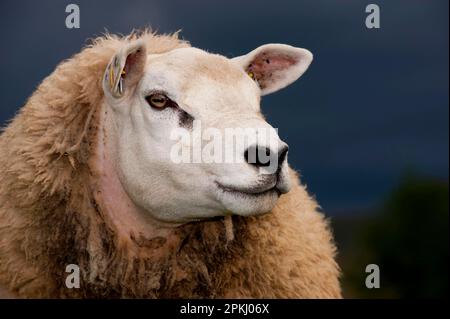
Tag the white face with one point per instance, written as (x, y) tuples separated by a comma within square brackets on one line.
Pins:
[(196, 92)]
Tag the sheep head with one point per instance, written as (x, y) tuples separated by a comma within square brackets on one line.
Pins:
[(170, 116)]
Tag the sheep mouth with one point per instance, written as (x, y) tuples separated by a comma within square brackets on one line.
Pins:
[(250, 192)]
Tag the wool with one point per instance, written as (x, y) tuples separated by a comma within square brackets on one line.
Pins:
[(52, 213)]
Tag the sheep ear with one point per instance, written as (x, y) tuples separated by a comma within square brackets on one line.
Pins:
[(275, 66), (125, 69)]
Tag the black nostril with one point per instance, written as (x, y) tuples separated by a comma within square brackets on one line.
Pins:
[(258, 156), (282, 154), (262, 156)]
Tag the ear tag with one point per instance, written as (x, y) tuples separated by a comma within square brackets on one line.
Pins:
[(252, 76), (116, 83), (111, 78), (120, 86), (122, 76)]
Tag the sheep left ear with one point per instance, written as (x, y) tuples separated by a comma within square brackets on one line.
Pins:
[(275, 66), (125, 69)]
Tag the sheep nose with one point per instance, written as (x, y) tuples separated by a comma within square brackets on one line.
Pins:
[(263, 156)]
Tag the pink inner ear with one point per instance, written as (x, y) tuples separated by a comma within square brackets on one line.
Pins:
[(134, 66), (268, 66), (131, 61)]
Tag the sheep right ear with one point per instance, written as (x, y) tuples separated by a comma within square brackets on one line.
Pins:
[(125, 69), (275, 66)]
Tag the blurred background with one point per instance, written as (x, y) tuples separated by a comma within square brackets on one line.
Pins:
[(367, 125)]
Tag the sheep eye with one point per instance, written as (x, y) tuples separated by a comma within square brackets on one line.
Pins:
[(158, 100)]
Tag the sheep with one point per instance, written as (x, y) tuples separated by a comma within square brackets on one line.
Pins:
[(76, 187)]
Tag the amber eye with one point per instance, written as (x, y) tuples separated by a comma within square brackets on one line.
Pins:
[(158, 100)]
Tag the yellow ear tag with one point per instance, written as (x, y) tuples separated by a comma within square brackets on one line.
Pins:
[(111, 77), (250, 74), (122, 76)]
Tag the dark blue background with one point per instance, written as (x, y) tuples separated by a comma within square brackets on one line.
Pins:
[(373, 105)]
